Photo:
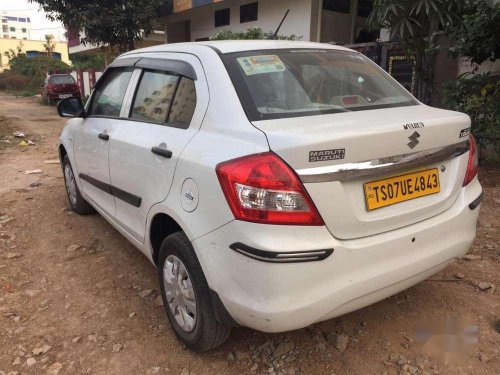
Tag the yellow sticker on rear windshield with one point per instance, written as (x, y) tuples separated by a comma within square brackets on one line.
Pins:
[(261, 64)]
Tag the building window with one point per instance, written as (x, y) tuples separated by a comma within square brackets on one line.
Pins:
[(31, 54), (5, 28), (364, 8), (341, 6), (12, 18), (222, 17), (24, 30), (4, 20), (13, 29), (13, 37), (21, 19), (29, 21), (6, 36), (249, 12)]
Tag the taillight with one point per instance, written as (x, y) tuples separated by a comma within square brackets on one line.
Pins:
[(472, 165), (261, 188)]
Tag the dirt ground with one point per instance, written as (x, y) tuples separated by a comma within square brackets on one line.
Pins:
[(77, 298)]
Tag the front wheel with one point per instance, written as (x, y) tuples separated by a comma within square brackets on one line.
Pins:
[(186, 296), (78, 204)]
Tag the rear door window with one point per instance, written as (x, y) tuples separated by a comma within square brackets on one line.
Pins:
[(164, 98), (108, 97), (154, 96)]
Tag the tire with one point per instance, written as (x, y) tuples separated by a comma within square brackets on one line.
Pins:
[(78, 204), (206, 333)]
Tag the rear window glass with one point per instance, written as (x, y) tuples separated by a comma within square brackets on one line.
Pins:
[(184, 103), (61, 80), (290, 83)]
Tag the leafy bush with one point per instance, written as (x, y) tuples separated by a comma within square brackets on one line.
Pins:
[(478, 96), (36, 66), (88, 61), (33, 70), (11, 81), (252, 33)]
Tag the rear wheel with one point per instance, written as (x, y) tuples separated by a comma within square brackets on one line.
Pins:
[(78, 204), (186, 296)]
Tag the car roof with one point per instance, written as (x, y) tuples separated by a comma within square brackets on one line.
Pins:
[(229, 46)]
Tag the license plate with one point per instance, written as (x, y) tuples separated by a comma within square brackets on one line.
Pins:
[(403, 188), (64, 96)]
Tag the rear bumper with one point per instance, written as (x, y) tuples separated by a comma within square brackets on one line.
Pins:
[(56, 96), (274, 297)]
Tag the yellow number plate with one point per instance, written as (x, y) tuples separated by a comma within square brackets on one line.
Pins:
[(398, 189)]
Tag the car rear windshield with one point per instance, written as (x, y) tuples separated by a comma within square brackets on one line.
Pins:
[(285, 83), (61, 80)]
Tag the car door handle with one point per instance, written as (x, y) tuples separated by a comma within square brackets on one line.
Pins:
[(162, 152), (104, 136)]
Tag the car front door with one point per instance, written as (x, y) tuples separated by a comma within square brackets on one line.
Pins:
[(91, 142), (165, 110)]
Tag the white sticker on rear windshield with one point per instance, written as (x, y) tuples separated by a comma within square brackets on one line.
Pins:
[(261, 64)]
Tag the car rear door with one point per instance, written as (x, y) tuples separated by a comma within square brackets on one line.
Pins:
[(91, 141), (166, 106)]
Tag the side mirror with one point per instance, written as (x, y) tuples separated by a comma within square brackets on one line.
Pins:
[(71, 107)]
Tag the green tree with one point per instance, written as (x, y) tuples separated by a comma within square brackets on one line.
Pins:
[(251, 33), (18, 52), (415, 23), (478, 33), (114, 23), (49, 45)]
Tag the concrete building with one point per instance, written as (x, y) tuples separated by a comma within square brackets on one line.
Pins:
[(31, 48), (15, 27), (338, 21)]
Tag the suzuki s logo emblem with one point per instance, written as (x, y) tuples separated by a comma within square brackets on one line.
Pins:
[(413, 140)]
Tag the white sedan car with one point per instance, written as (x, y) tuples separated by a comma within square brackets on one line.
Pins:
[(273, 184)]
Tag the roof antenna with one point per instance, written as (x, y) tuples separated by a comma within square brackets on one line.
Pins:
[(275, 35)]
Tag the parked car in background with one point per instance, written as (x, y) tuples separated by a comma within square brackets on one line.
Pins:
[(274, 184), (59, 86)]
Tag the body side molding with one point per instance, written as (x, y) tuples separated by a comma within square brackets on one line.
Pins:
[(123, 195)]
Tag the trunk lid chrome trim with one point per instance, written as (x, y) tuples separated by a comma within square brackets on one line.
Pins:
[(376, 167)]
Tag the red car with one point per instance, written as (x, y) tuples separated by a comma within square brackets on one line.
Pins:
[(59, 86)]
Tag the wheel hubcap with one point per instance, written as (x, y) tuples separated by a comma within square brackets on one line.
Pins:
[(70, 183), (180, 293)]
